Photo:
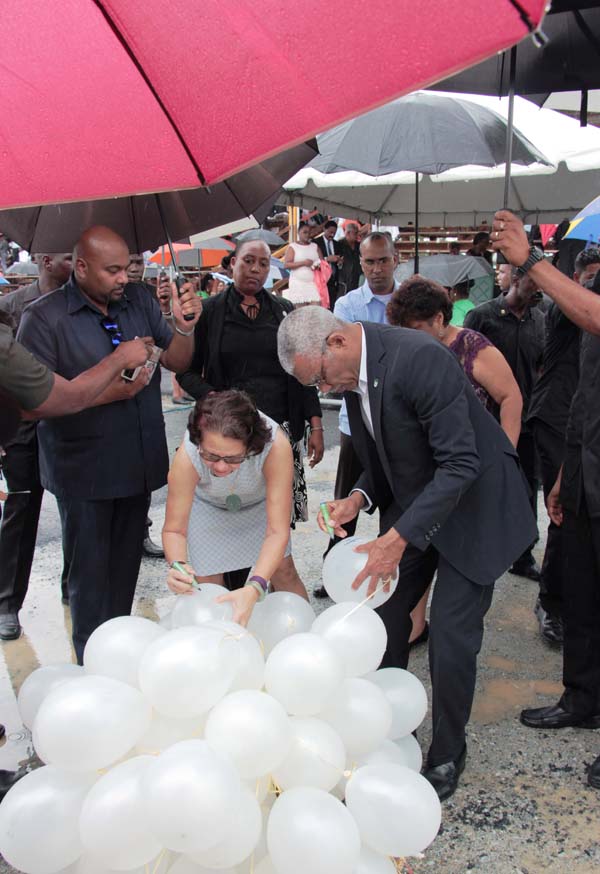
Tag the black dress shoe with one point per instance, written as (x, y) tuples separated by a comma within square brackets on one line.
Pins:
[(10, 627), (551, 627), (151, 549), (8, 779), (444, 778), (530, 570), (556, 716), (423, 637), (594, 774), (320, 592)]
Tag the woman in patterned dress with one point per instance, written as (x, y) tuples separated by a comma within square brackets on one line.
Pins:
[(229, 501)]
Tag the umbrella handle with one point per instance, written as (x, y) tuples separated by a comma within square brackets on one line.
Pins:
[(188, 317)]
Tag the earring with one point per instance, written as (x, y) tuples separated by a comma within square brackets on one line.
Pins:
[(441, 334)]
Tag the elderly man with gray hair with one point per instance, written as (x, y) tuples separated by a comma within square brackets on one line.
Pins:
[(445, 478)]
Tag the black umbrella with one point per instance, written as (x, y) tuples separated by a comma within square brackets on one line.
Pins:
[(569, 60)]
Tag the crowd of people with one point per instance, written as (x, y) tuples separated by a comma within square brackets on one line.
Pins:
[(452, 413)]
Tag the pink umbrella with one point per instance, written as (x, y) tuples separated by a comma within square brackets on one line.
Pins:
[(114, 97)]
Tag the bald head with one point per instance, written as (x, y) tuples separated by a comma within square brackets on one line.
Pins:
[(100, 262)]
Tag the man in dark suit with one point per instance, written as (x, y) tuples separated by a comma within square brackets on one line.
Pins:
[(327, 248), (447, 483)]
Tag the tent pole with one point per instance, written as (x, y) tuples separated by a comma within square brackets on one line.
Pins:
[(416, 222)]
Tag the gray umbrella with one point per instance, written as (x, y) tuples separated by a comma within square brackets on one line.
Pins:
[(147, 221), (423, 133), (268, 237), (23, 268)]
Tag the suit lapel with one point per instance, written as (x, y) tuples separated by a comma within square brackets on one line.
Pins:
[(376, 373)]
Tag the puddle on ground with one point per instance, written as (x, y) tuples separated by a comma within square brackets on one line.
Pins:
[(504, 699)]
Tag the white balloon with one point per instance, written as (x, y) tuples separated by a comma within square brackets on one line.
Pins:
[(310, 830), (189, 793), (200, 606), (341, 567), (166, 621), (88, 864), (361, 714), (113, 824), (408, 698), (116, 647), (39, 820), (372, 863), (89, 723), (356, 633), (188, 670), (38, 684), (316, 758), (280, 615), (303, 672), (397, 811), (184, 865), (252, 729), (251, 670), (241, 837), (265, 866), (164, 731), (260, 787), (249, 865), (405, 751)]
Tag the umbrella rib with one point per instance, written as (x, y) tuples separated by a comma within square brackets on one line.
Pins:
[(127, 48), (584, 28)]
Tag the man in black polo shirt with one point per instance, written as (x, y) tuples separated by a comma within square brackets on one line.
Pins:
[(548, 416), (102, 463), (515, 326)]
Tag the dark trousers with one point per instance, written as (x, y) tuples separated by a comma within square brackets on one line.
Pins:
[(528, 461), (18, 530), (581, 613), (349, 469), (550, 450), (458, 607), (102, 544)]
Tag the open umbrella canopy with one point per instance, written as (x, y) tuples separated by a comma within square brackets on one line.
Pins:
[(23, 268), (56, 228), (133, 96), (586, 224), (422, 132), (569, 61), (266, 236)]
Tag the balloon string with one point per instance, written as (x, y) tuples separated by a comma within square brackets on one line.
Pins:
[(159, 859)]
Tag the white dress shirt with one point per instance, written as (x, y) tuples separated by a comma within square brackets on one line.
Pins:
[(363, 385)]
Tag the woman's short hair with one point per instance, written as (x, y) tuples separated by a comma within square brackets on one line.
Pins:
[(232, 414), (418, 300)]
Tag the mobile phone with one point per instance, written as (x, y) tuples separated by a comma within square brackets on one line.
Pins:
[(131, 374)]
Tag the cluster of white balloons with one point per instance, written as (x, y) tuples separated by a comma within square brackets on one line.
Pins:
[(204, 747)]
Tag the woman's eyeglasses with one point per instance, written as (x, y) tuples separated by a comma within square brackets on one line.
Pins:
[(228, 459), (111, 326)]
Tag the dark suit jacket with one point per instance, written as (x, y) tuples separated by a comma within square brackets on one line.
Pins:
[(206, 370), (440, 469)]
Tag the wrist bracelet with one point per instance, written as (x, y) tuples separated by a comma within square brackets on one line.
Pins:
[(255, 578), (184, 333), (253, 584)]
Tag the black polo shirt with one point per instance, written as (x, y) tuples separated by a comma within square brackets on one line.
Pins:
[(112, 451), (521, 341)]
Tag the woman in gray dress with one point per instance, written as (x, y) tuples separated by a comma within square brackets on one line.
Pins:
[(229, 502)]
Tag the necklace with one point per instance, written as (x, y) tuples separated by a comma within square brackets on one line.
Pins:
[(251, 310), (233, 502)]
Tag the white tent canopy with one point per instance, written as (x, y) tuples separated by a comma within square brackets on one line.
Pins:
[(471, 194)]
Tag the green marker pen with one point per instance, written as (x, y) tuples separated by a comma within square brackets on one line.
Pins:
[(179, 567), (326, 517)]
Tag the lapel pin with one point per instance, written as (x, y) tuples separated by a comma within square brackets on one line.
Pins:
[(375, 383)]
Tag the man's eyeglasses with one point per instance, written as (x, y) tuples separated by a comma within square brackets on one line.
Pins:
[(111, 326), (228, 459)]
